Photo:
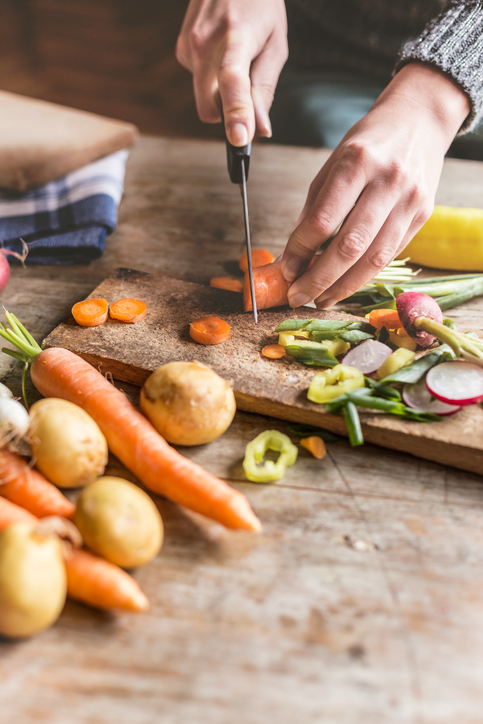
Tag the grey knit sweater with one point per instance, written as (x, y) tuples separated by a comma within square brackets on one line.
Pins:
[(375, 38)]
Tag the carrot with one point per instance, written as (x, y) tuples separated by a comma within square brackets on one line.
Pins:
[(260, 257), (273, 351), (315, 445), (11, 513), (90, 579), (90, 312), (231, 285), (101, 584), (56, 372), (128, 310), (210, 330), (271, 289), (387, 318), (25, 486)]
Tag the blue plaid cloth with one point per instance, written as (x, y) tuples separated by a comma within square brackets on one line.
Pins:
[(66, 221)]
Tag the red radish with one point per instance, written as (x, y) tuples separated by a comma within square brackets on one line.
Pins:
[(5, 266), (416, 305), (368, 356), (419, 398), (457, 382)]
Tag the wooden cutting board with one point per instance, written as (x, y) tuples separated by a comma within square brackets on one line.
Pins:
[(269, 387)]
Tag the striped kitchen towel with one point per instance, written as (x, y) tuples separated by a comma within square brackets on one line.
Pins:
[(65, 221)]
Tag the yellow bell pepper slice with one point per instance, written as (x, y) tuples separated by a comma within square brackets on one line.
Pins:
[(330, 383)]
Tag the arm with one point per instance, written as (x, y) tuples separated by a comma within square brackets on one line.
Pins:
[(235, 50)]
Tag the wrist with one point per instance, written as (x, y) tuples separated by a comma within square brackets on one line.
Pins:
[(434, 92)]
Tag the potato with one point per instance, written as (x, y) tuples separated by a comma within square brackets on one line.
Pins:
[(33, 581), (67, 446), (188, 403), (119, 521)]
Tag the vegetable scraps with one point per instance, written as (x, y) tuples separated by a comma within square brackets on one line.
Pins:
[(56, 372), (259, 468)]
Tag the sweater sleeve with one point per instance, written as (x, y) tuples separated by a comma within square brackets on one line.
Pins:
[(453, 42)]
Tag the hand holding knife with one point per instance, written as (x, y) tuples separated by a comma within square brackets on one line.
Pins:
[(238, 158)]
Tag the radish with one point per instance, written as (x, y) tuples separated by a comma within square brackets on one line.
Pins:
[(419, 397), (5, 266), (456, 383), (412, 306), (368, 356)]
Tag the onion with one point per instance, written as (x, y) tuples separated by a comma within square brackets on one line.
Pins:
[(14, 421), (367, 356), (457, 382), (419, 397)]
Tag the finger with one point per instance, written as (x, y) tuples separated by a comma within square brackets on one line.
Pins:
[(264, 74), (349, 245), (332, 204), (188, 30), (205, 87), (316, 186), (392, 237), (235, 90)]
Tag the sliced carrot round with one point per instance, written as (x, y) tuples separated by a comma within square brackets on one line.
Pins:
[(260, 257), (128, 310), (90, 312), (387, 318), (273, 351), (209, 330), (232, 285), (315, 445)]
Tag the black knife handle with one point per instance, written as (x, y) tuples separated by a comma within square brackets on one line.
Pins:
[(234, 156)]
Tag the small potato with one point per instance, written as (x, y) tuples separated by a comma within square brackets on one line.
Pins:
[(67, 446), (188, 403), (119, 521), (33, 581)]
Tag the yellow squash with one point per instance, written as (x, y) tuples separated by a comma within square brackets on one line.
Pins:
[(452, 238)]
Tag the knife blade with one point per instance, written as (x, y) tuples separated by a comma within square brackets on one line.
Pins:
[(238, 158)]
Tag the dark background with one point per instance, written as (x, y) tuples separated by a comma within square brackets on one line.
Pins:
[(107, 56)]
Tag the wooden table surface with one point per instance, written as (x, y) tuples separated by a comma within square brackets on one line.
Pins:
[(361, 602)]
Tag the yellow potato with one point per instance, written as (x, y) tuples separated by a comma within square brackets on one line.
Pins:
[(67, 445), (33, 581), (119, 521), (188, 403)]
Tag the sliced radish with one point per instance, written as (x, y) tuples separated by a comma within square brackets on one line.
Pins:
[(457, 383), (367, 356), (420, 398)]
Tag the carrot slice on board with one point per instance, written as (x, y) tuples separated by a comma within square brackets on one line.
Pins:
[(90, 312), (260, 257), (387, 318), (273, 351), (315, 445), (209, 330), (231, 285), (128, 310)]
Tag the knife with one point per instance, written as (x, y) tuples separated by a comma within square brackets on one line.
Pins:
[(238, 158)]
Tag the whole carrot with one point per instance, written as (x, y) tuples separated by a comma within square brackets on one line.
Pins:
[(56, 372), (90, 579), (25, 486)]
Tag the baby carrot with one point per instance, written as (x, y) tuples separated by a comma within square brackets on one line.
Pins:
[(231, 285), (128, 310), (25, 486), (260, 257), (90, 579), (209, 330), (273, 351), (387, 318), (56, 372), (315, 445), (90, 312)]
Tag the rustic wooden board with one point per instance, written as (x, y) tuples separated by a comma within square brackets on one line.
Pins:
[(277, 388)]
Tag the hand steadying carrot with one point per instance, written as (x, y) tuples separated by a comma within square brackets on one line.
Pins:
[(56, 372), (90, 579), (25, 486)]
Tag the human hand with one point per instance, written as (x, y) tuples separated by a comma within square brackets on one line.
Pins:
[(379, 183), (235, 50)]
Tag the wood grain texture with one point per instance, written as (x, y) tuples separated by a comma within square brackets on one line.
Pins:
[(277, 388), (360, 602)]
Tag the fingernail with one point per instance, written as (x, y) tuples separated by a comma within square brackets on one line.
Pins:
[(239, 135), (291, 268), (266, 127), (298, 300)]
